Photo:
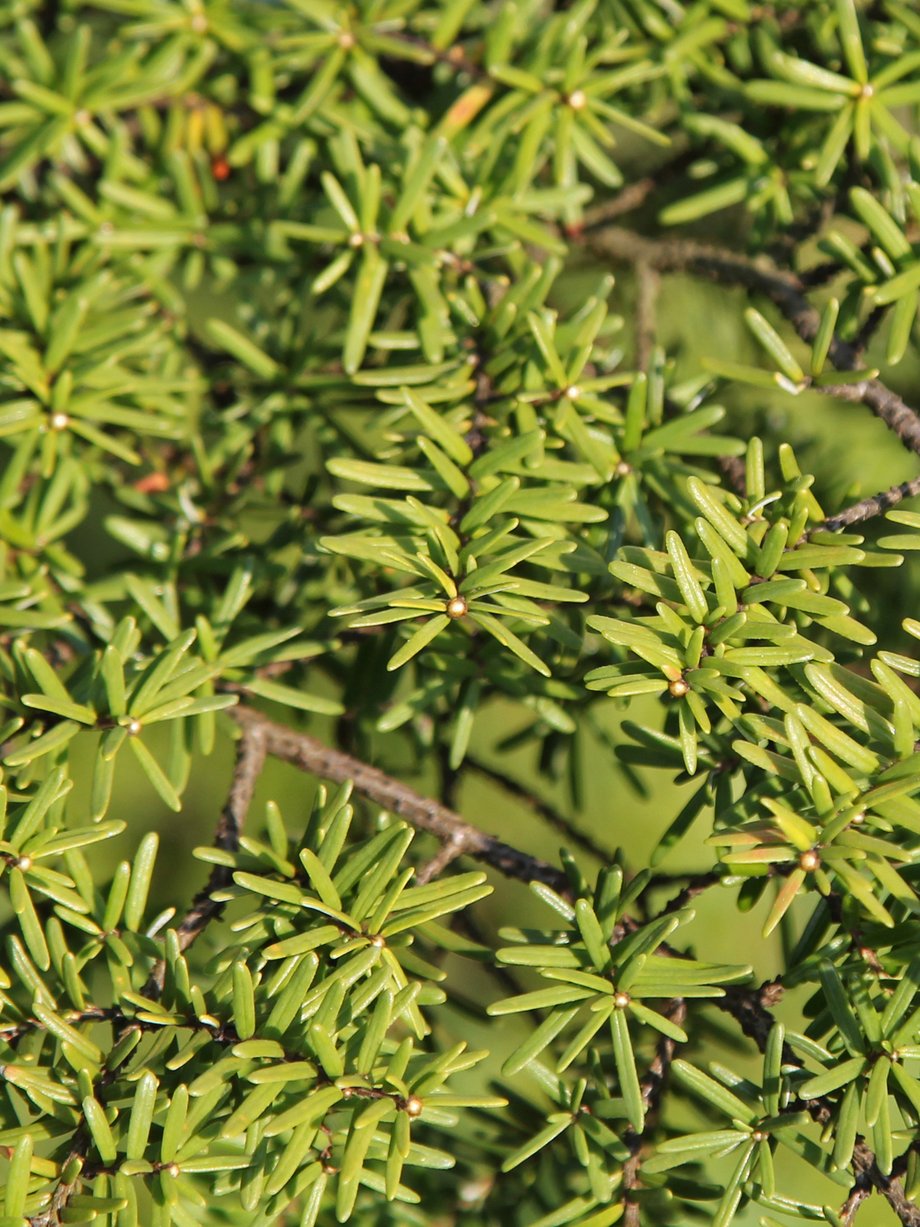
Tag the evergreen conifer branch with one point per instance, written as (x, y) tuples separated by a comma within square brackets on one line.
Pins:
[(320, 408), (874, 505), (784, 288), (751, 1008), (454, 833), (251, 751)]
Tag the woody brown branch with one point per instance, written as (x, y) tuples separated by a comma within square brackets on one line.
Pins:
[(783, 287), (752, 1013), (849, 1209), (250, 759), (750, 1008), (448, 827), (651, 1088), (875, 504), (457, 836)]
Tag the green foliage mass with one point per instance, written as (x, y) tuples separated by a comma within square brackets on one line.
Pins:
[(319, 400)]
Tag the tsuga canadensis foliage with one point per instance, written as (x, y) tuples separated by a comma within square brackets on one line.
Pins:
[(413, 412)]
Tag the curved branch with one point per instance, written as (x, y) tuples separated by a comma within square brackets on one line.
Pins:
[(783, 287), (448, 827), (751, 1008)]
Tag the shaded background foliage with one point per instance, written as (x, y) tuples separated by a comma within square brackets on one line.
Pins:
[(335, 390)]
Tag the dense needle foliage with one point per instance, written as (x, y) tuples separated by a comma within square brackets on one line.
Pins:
[(335, 420)]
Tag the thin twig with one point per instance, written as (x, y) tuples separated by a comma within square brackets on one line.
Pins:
[(897, 415), (750, 1008), (860, 1191), (631, 197), (866, 508), (461, 838), (647, 282), (783, 287), (752, 1012), (819, 274), (250, 759), (550, 815), (733, 470), (891, 1187), (651, 1088), (697, 885), (308, 754), (448, 852)]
